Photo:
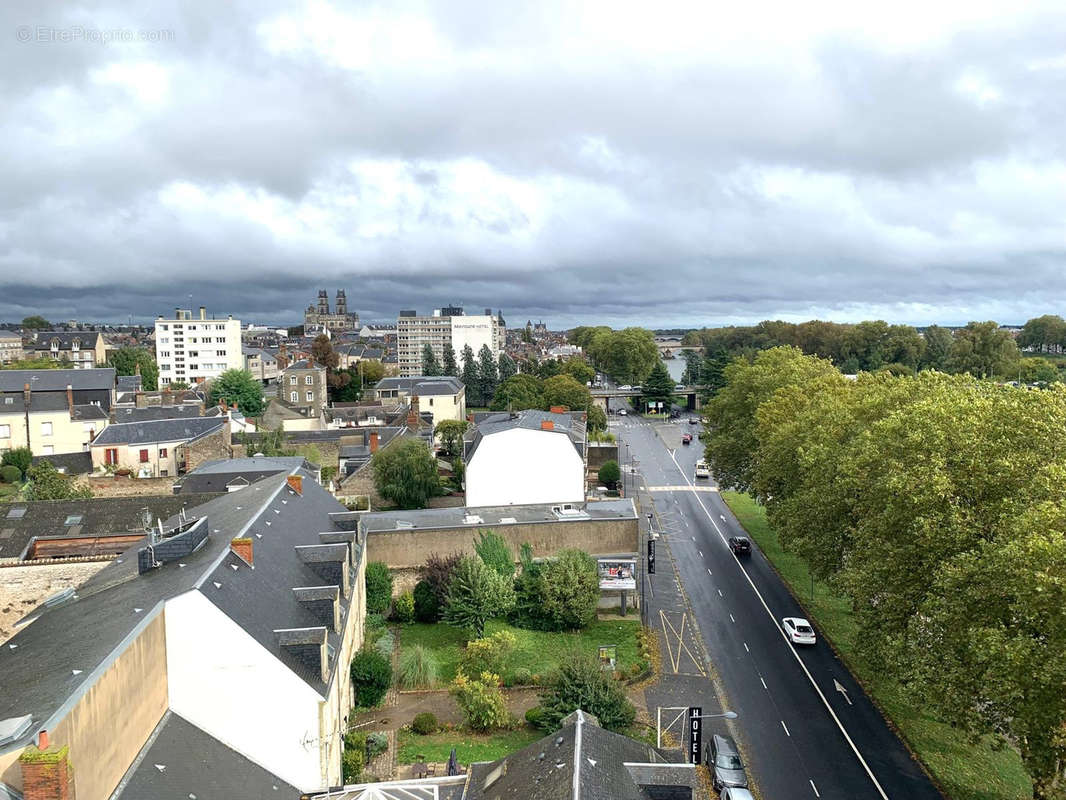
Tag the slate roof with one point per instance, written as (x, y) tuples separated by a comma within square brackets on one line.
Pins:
[(12, 402), (56, 380), (10, 335), (216, 476), (69, 463), (303, 364), (151, 413), (58, 648), (128, 383), (195, 764), (437, 385), (66, 338), (88, 412), (161, 430), (99, 516), (569, 424)]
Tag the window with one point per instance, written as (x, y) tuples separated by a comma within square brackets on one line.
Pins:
[(144, 456), (163, 473), (292, 381), (162, 452), (308, 380), (164, 354), (72, 519), (294, 397), (9, 401), (76, 344), (46, 429), (164, 327), (5, 431), (111, 455), (220, 352), (220, 339), (310, 396)]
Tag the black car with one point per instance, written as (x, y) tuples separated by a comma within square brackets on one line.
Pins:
[(740, 545), (693, 420)]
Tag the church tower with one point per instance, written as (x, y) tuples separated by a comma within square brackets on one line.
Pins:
[(342, 303), (323, 302)]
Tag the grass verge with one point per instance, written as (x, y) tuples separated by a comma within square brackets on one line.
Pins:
[(965, 771), (469, 747), (537, 651)]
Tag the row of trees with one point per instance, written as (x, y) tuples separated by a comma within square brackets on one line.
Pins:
[(936, 504), (481, 375), (628, 355), (523, 391), (980, 348)]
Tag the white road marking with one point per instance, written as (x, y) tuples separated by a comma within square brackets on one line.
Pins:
[(746, 649), (731, 619), (720, 593), (799, 660), (693, 538), (701, 554), (783, 725), (709, 571), (815, 789), (763, 683)]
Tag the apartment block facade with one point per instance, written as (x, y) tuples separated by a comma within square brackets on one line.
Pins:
[(448, 325), (193, 350)]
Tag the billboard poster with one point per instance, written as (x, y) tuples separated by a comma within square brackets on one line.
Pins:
[(617, 573)]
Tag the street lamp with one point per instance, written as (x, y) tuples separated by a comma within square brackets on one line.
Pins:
[(724, 715)]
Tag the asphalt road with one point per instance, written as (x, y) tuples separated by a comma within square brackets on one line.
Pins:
[(806, 727)]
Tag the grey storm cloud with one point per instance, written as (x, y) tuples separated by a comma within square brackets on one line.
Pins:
[(576, 162)]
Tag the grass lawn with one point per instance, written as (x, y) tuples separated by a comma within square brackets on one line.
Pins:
[(537, 651), (468, 746), (7, 491), (963, 770)]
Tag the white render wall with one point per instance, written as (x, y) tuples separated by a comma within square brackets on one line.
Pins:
[(200, 336), (522, 466), (224, 682), (475, 331)]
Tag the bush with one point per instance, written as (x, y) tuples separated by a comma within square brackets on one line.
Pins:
[(425, 723), (437, 572), (560, 594), (493, 550), (523, 677), (9, 473), (481, 701), (427, 607), (610, 474), (490, 654), (535, 716), (580, 682), (418, 668), (20, 457), (378, 587), (403, 608), (354, 758), (376, 744), (385, 643), (476, 594), (371, 677), (375, 621)]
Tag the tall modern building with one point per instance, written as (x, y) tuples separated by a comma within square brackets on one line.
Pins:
[(193, 350), (448, 325), (320, 318)]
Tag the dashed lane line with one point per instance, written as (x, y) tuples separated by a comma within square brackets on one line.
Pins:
[(783, 725)]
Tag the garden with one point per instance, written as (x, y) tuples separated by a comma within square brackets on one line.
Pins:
[(502, 654)]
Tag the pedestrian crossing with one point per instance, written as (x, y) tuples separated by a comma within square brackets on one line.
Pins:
[(682, 488)]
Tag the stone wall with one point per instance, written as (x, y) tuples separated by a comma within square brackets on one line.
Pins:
[(407, 549), (130, 487), (209, 448), (600, 453), (24, 587)]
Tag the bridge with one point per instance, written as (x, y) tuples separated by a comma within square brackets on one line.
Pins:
[(602, 396)]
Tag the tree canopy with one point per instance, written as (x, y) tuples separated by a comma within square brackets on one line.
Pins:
[(405, 473), (430, 366), (240, 387), (125, 360), (36, 323), (517, 393)]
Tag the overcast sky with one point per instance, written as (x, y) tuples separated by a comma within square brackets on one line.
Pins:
[(597, 162)]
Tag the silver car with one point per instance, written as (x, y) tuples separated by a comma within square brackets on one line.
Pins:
[(727, 766)]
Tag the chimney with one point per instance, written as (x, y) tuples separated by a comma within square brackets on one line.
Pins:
[(70, 399), (296, 483), (139, 400), (547, 425), (42, 740), (559, 409), (412, 413), (46, 772), (374, 442), (242, 548), (168, 398), (26, 394), (177, 313)]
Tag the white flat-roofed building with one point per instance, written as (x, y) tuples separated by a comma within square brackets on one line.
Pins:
[(194, 349), (448, 325)]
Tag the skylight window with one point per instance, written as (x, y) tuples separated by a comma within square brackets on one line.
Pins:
[(73, 519), (17, 513)]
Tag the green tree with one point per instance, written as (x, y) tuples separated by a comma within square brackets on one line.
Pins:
[(47, 483), (125, 360), (481, 701), (448, 366), (371, 675), (579, 370), (178, 386), (437, 573), (370, 371), (489, 654), (518, 393), (984, 350), (1046, 334), (693, 375), (405, 473), (450, 433), (580, 682), (20, 457), (238, 386), (549, 368), (609, 474), (527, 334), (469, 378), (563, 390), (1038, 370), (34, 363), (570, 589), (713, 371), (323, 354), (493, 550), (36, 323), (488, 376), (378, 587), (430, 366), (628, 355), (506, 367), (938, 342), (597, 419), (476, 593), (658, 387), (352, 390)]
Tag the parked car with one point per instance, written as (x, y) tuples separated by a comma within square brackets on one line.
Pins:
[(693, 420), (725, 761), (736, 793), (625, 388), (679, 386), (798, 630), (686, 438), (740, 545), (622, 412)]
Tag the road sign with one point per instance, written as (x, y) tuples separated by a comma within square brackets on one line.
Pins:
[(651, 556), (695, 730)]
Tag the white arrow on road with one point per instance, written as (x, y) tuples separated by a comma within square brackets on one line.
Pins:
[(842, 690), (722, 517)]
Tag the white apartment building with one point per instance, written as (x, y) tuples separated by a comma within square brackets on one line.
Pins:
[(196, 349), (449, 325)]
